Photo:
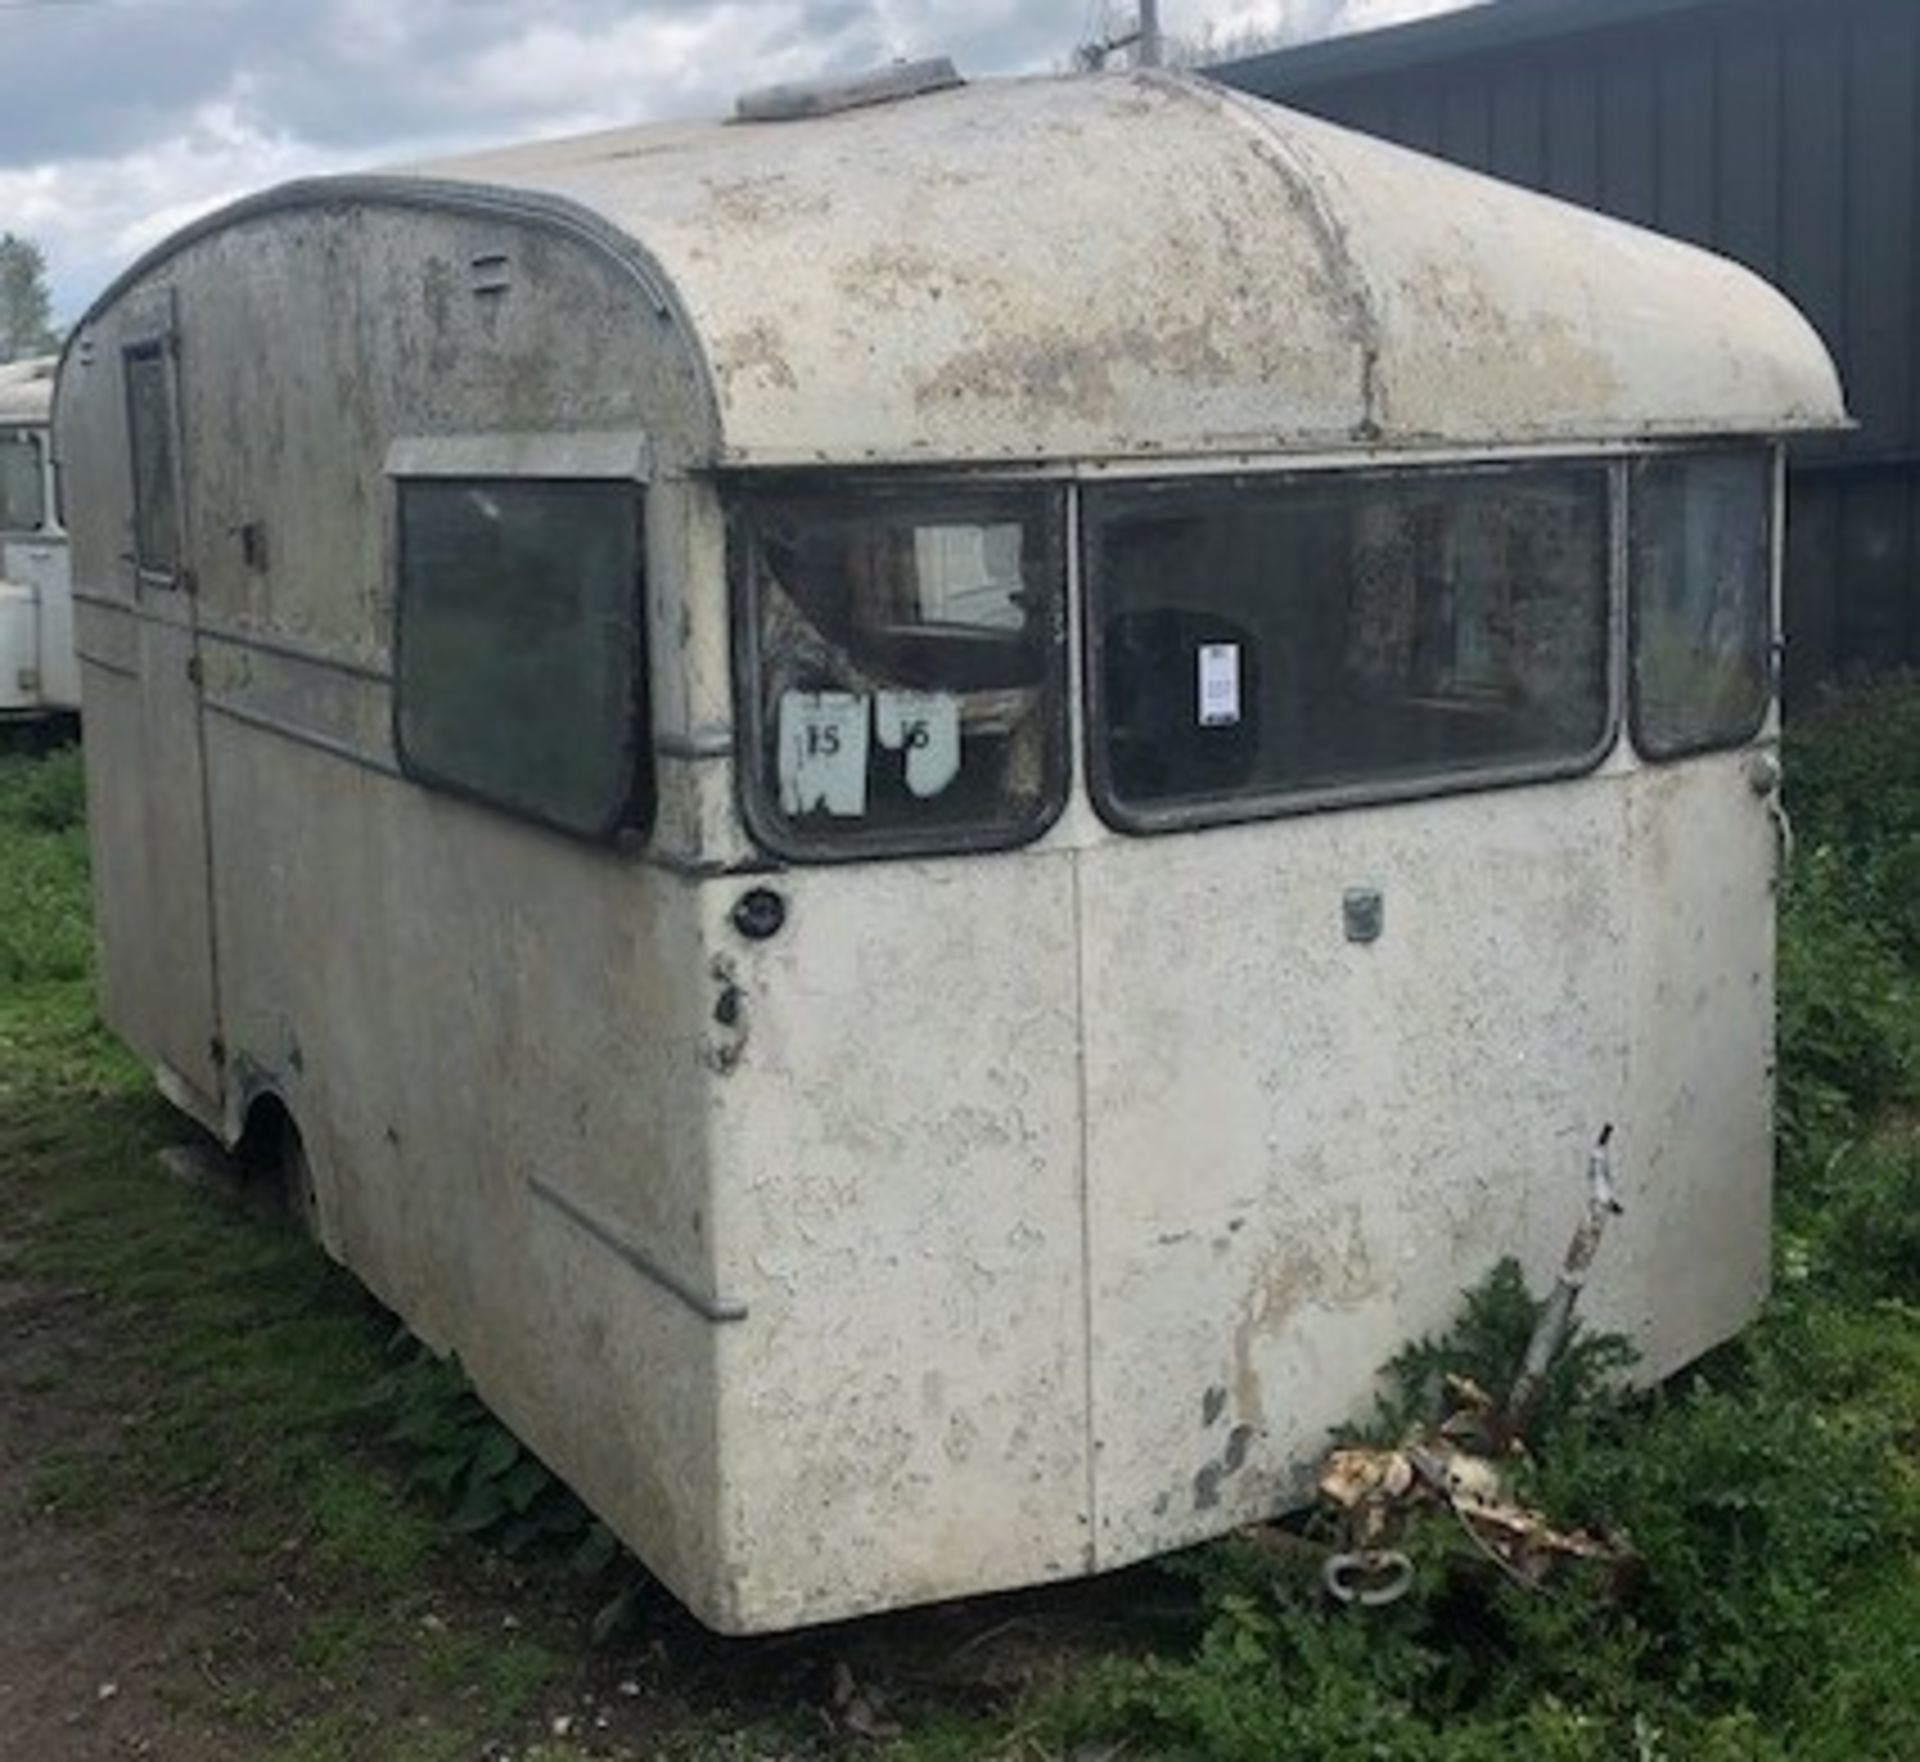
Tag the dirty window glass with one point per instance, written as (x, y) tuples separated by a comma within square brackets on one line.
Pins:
[(22, 484), (520, 667), (1701, 568), (1266, 638), (907, 657), (156, 515)]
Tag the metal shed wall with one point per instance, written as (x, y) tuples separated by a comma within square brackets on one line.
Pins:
[(1784, 133)]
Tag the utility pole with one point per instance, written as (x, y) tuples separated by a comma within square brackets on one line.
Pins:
[(1150, 46), (1145, 40)]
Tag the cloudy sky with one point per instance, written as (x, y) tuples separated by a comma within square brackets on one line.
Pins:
[(120, 119)]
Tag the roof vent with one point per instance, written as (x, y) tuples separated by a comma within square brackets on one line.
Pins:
[(795, 100)]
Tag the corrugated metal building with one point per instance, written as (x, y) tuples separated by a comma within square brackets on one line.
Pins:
[(1785, 133)]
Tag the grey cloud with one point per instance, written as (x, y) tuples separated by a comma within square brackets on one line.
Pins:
[(98, 81), (124, 117)]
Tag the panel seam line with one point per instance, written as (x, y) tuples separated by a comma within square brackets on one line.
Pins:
[(1086, 1218)]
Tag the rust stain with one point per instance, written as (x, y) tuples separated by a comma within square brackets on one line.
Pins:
[(757, 352), (1060, 372), (756, 203), (1330, 1268), (891, 276)]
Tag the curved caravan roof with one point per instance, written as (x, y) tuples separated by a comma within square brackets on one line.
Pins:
[(26, 389), (1147, 263)]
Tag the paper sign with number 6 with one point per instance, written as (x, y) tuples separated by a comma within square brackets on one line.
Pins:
[(926, 726)]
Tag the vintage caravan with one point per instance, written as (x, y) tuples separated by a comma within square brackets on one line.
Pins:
[(924, 815), (38, 676)]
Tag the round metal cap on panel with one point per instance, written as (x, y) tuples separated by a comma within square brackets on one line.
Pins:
[(759, 913)]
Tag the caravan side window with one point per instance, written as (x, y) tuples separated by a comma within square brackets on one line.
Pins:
[(23, 497), (520, 667), (903, 666), (1260, 644), (1702, 575)]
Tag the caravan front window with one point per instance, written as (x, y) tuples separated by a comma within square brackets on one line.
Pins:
[(1263, 643), (23, 499), (1702, 600), (904, 668), (520, 676)]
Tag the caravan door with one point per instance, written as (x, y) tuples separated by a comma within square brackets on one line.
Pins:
[(145, 757)]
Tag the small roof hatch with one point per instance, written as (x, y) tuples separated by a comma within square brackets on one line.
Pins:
[(795, 100)]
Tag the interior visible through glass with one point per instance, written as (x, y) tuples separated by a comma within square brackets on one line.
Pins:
[(1266, 637), (909, 661)]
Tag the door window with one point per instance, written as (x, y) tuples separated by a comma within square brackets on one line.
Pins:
[(150, 435)]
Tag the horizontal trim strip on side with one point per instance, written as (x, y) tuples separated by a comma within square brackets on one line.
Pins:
[(117, 668), (707, 743), (282, 648), (338, 749), (713, 1309)]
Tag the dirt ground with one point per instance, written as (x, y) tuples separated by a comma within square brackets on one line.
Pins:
[(90, 1634), (145, 1633)]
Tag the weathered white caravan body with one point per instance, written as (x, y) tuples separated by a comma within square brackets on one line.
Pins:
[(932, 814), (38, 675)]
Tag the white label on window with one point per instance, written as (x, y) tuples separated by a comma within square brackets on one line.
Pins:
[(823, 753), (1219, 684), (926, 726)]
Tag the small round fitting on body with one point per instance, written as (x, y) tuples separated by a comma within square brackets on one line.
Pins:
[(759, 913)]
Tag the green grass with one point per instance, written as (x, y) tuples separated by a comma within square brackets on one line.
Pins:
[(1771, 1495), (242, 1357), (45, 929)]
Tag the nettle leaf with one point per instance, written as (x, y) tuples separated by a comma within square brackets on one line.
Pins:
[(596, 1552), (483, 1506), (439, 1472), (498, 1451), (527, 1480)]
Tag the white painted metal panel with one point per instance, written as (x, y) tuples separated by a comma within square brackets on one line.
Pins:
[(1698, 1136), (896, 1184), (19, 644), (1300, 1148), (39, 565)]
